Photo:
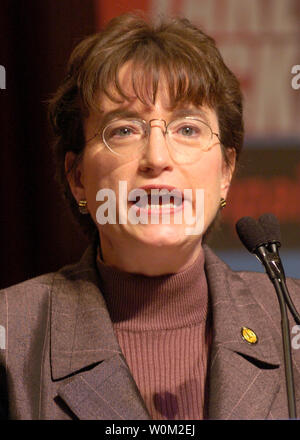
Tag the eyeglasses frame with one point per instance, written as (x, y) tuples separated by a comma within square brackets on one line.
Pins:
[(149, 126)]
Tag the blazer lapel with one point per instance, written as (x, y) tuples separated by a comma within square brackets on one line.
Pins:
[(85, 355), (105, 392), (243, 377)]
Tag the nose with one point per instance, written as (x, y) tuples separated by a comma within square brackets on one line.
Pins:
[(156, 155)]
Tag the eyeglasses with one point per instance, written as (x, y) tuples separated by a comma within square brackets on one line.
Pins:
[(186, 137)]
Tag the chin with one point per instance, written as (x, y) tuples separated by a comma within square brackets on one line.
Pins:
[(161, 235)]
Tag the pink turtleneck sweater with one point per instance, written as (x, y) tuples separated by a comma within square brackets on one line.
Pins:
[(160, 323)]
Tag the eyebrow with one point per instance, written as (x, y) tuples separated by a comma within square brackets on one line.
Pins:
[(118, 114), (126, 113), (191, 111)]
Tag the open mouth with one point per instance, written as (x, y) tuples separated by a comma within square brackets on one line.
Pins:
[(158, 201)]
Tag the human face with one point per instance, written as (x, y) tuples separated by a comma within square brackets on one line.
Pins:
[(153, 167)]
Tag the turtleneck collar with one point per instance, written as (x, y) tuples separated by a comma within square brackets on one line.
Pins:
[(140, 303)]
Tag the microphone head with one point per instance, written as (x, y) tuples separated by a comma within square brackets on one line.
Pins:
[(271, 226), (251, 233)]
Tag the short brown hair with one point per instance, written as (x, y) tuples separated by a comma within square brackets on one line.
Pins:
[(175, 47)]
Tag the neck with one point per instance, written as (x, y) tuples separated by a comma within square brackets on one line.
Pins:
[(144, 259), (139, 303)]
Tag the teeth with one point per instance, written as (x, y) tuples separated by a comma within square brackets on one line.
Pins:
[(165, 206), (155, 206), (178, 201), (144, 203), (156, 201)]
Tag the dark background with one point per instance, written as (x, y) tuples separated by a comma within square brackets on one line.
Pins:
[(37, 233)]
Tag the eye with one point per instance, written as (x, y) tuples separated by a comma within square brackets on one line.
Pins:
[(124, 131), (188, 130), (121, 131)]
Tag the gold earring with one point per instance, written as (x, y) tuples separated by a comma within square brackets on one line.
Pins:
[(82, 206), (222, 203)]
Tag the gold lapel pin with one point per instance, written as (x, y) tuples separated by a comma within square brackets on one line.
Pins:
[(249, 335)]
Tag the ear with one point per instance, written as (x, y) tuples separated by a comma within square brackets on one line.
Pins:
[(74, 175), (227, 171)]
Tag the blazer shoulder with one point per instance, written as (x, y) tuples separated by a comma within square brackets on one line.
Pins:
[(256, 284), (263, 280), (262, 277), (32, 286), (25, 300), (263, 290), (42, 283), (29, 294)]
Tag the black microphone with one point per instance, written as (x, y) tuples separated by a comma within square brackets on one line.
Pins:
[(252, 234), (271, 226), (254, 238)]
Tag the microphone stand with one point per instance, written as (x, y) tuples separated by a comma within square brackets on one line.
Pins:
[(274, 269), (273, 247)]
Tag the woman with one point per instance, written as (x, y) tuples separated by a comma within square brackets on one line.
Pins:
[(150, 323)]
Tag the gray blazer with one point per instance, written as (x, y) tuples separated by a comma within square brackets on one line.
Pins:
[(59, 358)]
